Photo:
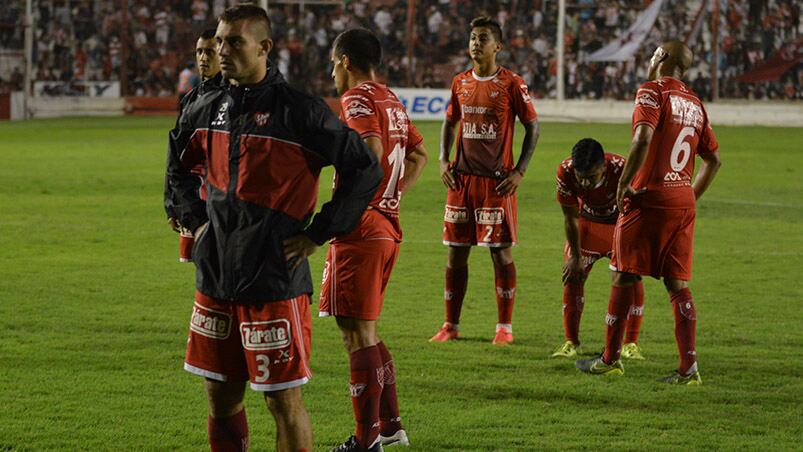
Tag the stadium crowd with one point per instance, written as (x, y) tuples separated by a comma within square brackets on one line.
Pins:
[(81, 40)]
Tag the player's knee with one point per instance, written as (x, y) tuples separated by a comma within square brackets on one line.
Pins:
[(225, 399), (675, 285), (284, 403), (623, 279), (458, 256), (501, 256)]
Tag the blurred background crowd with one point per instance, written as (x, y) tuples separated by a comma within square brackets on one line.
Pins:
[(83, 40)]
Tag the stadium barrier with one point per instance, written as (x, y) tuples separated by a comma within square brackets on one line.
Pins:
[(423, 104)]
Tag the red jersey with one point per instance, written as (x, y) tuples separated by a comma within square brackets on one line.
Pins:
[(599, 203), (373, 110), (486, 108), (681, 130)]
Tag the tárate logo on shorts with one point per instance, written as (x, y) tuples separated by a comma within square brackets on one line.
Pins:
[(265, 335), (455, 214), (210, 323), (489, 215)]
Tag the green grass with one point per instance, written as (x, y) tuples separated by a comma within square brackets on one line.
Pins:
[(94, 311)]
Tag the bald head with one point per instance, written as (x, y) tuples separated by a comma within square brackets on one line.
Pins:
[(672, 58)]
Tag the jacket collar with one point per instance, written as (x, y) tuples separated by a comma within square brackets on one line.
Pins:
[(273, 77)]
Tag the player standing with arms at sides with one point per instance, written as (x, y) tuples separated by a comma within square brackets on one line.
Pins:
[(359, 264), (264, 144), (657, 198), (586, 191), (482, 180), (208, 64)]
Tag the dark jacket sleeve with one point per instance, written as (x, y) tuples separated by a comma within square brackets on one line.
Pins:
[(169, 202), (182, 197), (358, 171)]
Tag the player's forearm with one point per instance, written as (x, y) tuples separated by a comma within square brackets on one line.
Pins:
[(532, 132), (637, 154), (572, 228), (705, 176), (447, 137), (413, 167)]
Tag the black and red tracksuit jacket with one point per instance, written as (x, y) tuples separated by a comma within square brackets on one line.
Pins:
[(263, 146), (205, 86)]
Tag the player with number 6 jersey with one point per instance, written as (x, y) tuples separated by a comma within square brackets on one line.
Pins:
[(359, 264), (657, 196)]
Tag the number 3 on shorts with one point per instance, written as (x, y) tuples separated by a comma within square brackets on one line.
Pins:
[(262, 366)]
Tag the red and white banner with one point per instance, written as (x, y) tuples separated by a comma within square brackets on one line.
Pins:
[(773, 68), (625, 46)]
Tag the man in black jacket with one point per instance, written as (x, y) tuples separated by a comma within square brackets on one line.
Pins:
[(263, 144), (208, 64)]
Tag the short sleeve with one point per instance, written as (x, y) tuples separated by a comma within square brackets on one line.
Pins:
[(522, 102), (565, 192), (359, 113), (414, 138), (647, 108), (453, 113), (708, 142)]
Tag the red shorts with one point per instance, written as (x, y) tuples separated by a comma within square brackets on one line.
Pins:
[(476, 215), (654, 242), (270, 347), (355, 276), (596, 242)]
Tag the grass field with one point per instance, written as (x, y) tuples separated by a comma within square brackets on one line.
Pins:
[(94, 311)]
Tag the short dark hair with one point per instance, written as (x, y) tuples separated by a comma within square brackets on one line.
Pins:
[(247, 11), (361, 46), (487, 22), (209, 33), (587, 154)]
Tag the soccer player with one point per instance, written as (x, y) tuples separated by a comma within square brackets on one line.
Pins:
[(656, 197), (208, 64), (482, 180), (359, 264), (586, 191), (264, 144)]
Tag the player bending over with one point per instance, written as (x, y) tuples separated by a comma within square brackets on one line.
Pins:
[(586, 191)]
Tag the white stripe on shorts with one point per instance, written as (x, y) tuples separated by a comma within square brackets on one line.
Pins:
[(279, 386), (204, 373)]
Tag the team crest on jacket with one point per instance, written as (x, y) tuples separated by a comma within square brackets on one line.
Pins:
[(261, 118)]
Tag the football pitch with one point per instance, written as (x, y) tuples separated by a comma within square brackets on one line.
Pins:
[(94, 310)]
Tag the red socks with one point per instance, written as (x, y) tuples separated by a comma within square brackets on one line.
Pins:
[(573, 303), (456, 283), (636, 313), (618, 306), (389, 419), (685, 329), (366, 390), (228, 434), (505, 291)]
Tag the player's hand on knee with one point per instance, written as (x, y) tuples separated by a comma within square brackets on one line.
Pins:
[(297, 248), (573, 271)]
